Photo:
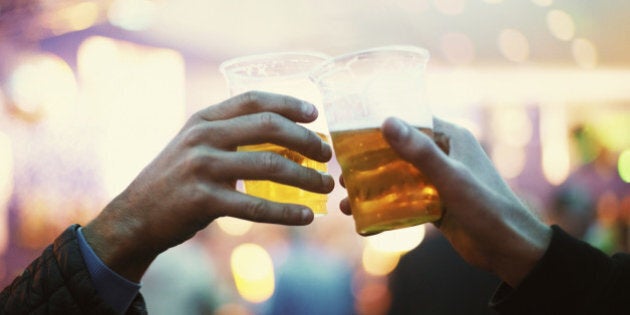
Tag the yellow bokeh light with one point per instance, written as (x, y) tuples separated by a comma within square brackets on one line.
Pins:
[(554, 139), (623, 165), (585, 53), (379, 263), (561, 25), (252, 270), (44, 84), (234, 226), (513, 45), (397, 241)]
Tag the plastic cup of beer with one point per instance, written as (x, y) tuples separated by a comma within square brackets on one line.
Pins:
[(283, 73), (359, 91)]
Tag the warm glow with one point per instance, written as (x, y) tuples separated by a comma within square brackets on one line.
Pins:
[(6, 188), (76, 17), (133, 15), (397, 241), (458, 48), (584, 52), (514, 86), (513, 45), (135, 95), (509, 159), (234, 226), (560, 25), (555, 143), (253, 273), (450, 7), (44, 85), (623, 165), (511, 125), (379, 263)]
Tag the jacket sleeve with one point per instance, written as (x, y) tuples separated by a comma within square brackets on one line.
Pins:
[(571, 278), (58, 282)]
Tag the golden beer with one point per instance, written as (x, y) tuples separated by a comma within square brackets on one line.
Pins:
[(285, 193), (385, 192)]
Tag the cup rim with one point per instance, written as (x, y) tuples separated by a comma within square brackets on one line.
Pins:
[(232, 62), (318, 70)]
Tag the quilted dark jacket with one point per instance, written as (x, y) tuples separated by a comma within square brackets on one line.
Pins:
[(58, 282)]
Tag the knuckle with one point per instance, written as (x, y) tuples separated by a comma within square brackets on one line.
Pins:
[(251, 98), (270, 162), (268, 121), (194, 135)]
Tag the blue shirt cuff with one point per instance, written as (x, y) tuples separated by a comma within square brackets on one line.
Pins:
[(113, 288)]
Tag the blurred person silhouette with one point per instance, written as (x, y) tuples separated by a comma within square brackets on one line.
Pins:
[(182, 280), (97, 269), (596, 184), (543, 269), (311, 281), (433, 279)]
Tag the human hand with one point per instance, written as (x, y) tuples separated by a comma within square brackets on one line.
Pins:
[(192, 181), (483, 219)]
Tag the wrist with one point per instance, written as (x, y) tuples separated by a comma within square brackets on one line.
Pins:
[(525, 245), (116, 239)]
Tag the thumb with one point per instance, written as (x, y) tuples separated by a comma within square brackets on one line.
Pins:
[(417, 148)]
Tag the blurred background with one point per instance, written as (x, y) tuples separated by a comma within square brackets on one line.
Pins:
[(90, 91)]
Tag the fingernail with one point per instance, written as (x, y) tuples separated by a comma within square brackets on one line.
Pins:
[(309, 109), (306, 215), (401, 129)]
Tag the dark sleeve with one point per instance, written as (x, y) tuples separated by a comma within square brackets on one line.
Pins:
[(571, 278), (58, 282)]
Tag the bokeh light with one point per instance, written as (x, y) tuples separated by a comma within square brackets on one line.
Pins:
[(234, 226), (510, 124), (133, 15), (458, 48), (379, 263), (43, 85), (513, 45), (124, 84), (397, 241), (554, 139), (252, 270), (584, 53), (561, 25), (509, 159), (74, 17), (623, 165)]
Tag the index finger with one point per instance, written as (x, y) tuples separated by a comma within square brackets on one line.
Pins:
[(256, 101)]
